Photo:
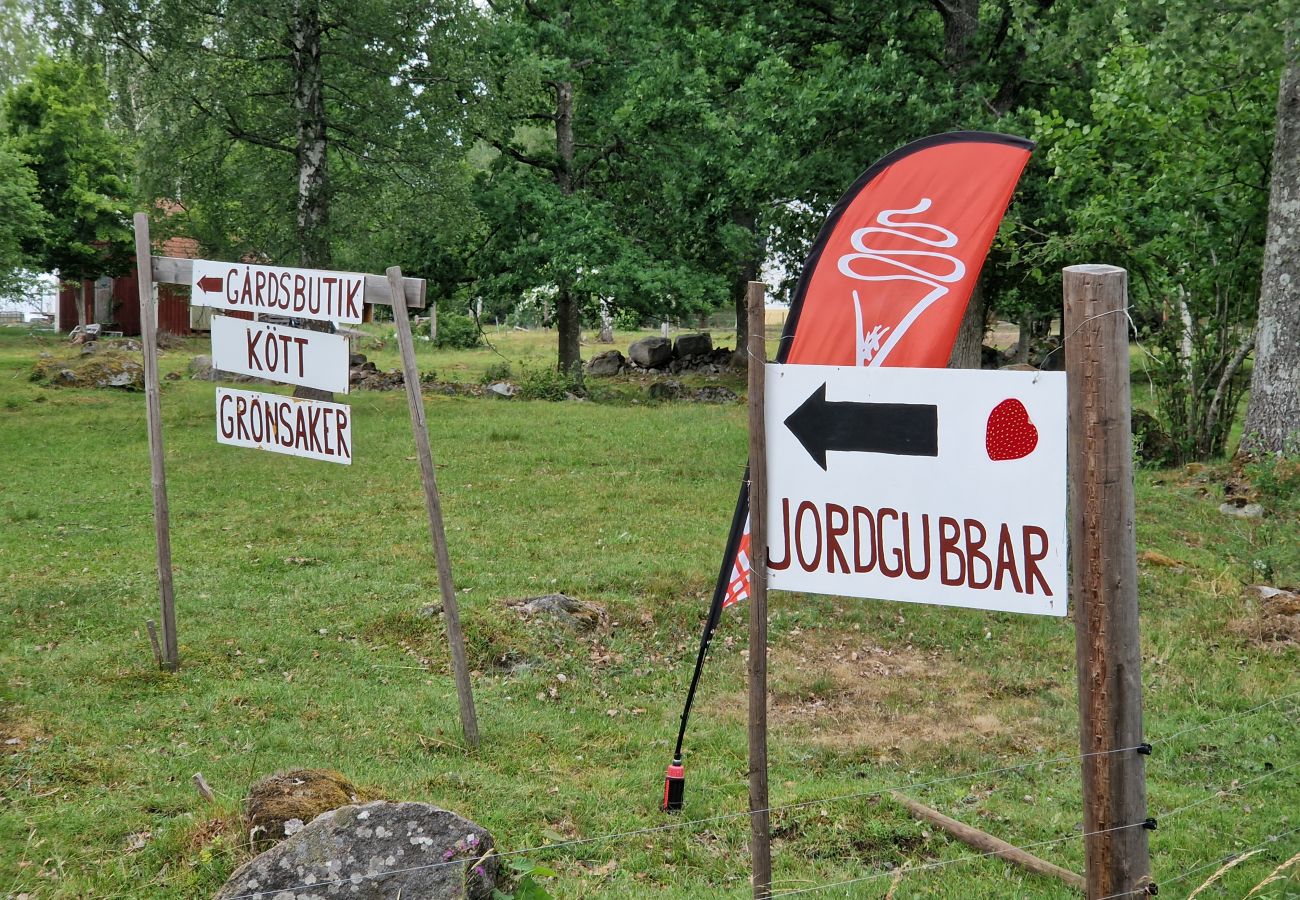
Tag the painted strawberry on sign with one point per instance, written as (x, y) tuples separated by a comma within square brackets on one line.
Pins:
[(1009, 433)]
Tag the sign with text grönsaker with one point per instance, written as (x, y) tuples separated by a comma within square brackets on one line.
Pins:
[(920, 485), (289, 355), (315, 429), (297, 293)]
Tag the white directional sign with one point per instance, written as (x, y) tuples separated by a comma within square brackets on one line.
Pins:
[(311, 428), (299, 293), (280, 353), (921, 485)]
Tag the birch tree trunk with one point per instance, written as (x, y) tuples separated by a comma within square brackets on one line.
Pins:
[(309, 104), (311, 154), (1273, 412)]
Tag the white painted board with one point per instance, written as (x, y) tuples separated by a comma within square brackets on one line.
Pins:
[(298, 293), (280, 353), (315, 429), (941, 486)]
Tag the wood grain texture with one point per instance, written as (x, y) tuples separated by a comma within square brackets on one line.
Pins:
[(1103, 558), (759, 822), (433, 506), (157, 470)]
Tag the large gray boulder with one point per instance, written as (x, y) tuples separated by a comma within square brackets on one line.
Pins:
[(651, 352), (374, 851), (699, 344), (605, 364)]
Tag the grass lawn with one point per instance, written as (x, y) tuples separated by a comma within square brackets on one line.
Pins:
[(299, 590)]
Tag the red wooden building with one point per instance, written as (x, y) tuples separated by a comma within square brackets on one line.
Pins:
[(119, 301)]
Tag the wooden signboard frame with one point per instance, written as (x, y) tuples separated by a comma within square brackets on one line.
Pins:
[(379, 290), (1103, 590)]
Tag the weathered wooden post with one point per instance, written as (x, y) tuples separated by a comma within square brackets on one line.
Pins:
[(759, 824), (153, 415), (1103, 558), (433, 506)]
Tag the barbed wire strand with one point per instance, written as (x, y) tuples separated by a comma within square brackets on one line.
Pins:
[(1271, 839), (1213, 722), (948, 862), (940, 864), (803, 804)]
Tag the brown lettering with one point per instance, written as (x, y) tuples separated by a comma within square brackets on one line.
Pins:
[(880, 544), (807, 507), (1032, 572)]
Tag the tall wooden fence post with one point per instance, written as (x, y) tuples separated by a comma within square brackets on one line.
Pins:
[(759, 824), (153, 415), (1103, 559), (433, 506)]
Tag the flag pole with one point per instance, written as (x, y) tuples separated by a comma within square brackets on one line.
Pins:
[(675, 779)]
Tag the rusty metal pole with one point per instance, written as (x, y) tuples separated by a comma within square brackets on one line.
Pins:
[(1103, 560), (759, 824)]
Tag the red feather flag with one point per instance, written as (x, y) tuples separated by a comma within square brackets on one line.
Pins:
[(886, 284)]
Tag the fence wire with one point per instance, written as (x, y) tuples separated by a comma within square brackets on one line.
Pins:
[(913, 786)]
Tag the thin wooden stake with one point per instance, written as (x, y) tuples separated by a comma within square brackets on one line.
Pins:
[(153, 642), (982, 840), (433, 505), (153, 414), (201, 785), (1103, 558), (759, 822)]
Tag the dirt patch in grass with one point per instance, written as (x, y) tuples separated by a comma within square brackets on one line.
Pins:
[(849, 693), (1272, 621), (17, 735)]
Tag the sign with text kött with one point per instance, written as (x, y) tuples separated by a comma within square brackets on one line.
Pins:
[(298, 293), (290, 355), (920, 485), (315, 429)]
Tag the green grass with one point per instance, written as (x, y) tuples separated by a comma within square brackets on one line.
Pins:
[(299, 587)]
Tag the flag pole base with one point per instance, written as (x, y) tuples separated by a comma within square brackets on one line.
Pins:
[(674, 787)]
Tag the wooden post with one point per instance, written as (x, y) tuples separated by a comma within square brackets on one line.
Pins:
[(983, 841), (433, 505), (1103, 558), (153, 415), (759, 824)]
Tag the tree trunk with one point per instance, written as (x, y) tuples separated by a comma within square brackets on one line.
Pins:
[(1273, 412), (313, 181), (960, 22), (606, 323), (967, 351), (82, 319), (568, 324), (748, 271), (309, 103), (568, 310)]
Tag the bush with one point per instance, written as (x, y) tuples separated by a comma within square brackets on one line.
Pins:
[(498, 371), (457, 332), (549, 384)]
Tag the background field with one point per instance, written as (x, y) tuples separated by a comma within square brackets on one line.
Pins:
[(299, 587)]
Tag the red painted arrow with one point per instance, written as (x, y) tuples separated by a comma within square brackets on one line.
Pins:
[(211, 284)]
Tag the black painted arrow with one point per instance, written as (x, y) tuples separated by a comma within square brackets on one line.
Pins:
[(901, 429)]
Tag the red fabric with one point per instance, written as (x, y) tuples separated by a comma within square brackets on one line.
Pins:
[(890, 276), (910, 245)]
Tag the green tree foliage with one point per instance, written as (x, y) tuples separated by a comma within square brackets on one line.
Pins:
[(316, 132), (20, 41), (57, 121), (22, 221), (1166, 173), (556, 216)]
